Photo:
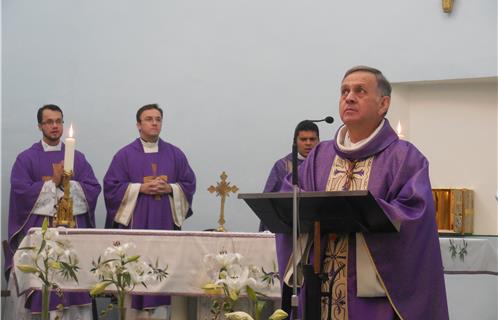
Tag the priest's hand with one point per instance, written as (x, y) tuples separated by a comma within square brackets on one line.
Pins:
[(155, 187), (58, 170), (163, 187)]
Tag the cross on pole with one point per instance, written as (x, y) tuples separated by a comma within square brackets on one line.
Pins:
[(222, 190)]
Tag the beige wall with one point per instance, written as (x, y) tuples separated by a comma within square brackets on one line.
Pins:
[(454, 123)]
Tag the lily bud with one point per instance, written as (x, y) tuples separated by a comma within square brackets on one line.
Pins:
[(239, 315), (99, 288), (27, 268), (279, 314), (132, 259), (211, 288)]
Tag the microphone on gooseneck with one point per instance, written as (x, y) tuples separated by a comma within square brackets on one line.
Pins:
[(328, 119)]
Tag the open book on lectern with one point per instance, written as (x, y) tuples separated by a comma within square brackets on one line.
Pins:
[(337, 211)]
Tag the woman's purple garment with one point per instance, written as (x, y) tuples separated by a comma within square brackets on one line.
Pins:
[(130, 165), (409, 262), (26, 183)]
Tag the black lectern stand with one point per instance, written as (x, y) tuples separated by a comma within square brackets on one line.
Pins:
[(320, 212)]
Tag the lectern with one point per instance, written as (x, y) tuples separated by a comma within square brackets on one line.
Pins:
[(320, 212)]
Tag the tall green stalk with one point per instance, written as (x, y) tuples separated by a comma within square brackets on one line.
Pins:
[(121, 308), (45, 315)]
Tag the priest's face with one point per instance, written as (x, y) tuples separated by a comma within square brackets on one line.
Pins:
[(361, 105), (150, 125), (51, 126), (306, 141)]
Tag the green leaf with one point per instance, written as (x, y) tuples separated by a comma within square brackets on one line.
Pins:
[(233, 295), (26, 248), (45, 225), (107, 261), (42, 246), (260, 305), (251, 294)]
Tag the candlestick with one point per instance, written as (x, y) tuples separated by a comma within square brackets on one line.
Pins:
[(398, 130), (70, 143)]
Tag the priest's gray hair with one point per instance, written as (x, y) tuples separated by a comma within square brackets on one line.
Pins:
[(382, 83)]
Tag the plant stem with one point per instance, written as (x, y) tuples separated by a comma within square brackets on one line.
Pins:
[(121, 309), (45, 302)]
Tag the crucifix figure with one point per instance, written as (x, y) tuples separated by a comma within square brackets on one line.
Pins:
[(223, 190)]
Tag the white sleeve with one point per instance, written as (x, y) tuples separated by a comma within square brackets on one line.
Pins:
[(127, 207), (80, 205), (303, 247), (179, 204), (47, 199)]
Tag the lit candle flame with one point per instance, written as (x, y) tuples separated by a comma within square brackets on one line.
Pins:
[(399, 130), (71, 131)]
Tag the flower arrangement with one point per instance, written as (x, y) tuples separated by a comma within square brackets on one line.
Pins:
[(50, 259), (229, 279), (116, 267)]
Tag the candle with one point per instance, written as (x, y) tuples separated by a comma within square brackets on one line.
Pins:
[(398, 130), (69, 153)]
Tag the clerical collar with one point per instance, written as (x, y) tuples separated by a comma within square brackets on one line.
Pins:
[(48, 148), (150, 147), (345, 144), (300, 156)]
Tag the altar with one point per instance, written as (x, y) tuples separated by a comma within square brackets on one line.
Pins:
[(183, 252), (471, 276), (470, 265)]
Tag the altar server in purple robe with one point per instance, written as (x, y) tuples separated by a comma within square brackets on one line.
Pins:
[(35, 188), (307, 137), (386, 275), (149, 185)]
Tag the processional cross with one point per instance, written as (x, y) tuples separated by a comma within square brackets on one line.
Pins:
[(222, 190)]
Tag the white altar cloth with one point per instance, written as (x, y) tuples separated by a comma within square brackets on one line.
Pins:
[(469, 255), (182, 251)]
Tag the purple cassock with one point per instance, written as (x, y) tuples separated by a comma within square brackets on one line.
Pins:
[(131, 165), (32, 167), (274, 183), (279, 171), (409, 262)]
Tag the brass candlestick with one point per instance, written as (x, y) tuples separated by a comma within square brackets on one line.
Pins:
[(447, 6), (64, 215), (222, 190)]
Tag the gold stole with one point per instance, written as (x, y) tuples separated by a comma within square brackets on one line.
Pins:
[(345, 175), (153, 176)]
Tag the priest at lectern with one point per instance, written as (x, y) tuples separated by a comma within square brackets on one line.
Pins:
[(379, 276)]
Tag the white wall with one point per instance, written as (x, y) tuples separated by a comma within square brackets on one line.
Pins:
[(233, 76), (454, 124)]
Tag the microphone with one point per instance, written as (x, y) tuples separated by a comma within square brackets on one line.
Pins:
[(328, 119)]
